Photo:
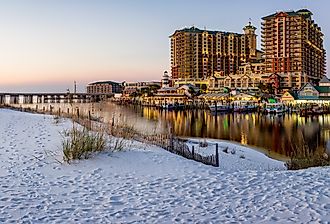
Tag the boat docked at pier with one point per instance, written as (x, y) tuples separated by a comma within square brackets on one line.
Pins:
[(244, 106), (311, 111), (173, 106), (275, 108), (168, 106), (220, 108)]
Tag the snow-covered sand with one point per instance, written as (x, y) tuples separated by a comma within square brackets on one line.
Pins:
[(145, 184), (234, 156)]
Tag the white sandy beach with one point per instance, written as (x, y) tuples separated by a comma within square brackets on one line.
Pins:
[(146, 184)]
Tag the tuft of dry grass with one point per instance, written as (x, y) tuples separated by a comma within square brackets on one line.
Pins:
[(303, 157), (82, 143), (125, 131), (303, 163), (120, 136)]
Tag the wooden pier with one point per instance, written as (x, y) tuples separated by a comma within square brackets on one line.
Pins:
[(41, 98)]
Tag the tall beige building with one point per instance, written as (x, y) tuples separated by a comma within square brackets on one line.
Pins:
[(293, 46), (198, 54)]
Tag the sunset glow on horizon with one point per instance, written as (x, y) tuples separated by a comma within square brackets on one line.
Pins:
[(50, 44)]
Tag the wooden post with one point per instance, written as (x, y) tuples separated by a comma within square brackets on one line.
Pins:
[(217, 155), (216, 108), (193, 151)]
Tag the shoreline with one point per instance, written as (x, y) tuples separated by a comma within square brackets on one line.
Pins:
[(145, 183), (153, 121), (252, 147), (264, 151)]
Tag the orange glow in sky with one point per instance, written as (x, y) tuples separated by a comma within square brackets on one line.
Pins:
[(45, 43)]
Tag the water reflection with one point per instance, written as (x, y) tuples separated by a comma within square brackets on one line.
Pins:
[(282, 135)]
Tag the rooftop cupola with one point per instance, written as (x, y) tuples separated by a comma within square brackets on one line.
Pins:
[(165, 80), (249, 28)]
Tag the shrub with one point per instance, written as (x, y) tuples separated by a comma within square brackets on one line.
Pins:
[(81, 144), (303, 163), (302, 156)]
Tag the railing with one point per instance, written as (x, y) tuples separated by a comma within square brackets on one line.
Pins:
[(179, 147)]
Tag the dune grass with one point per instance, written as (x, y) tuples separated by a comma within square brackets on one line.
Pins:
[(81, 143), (304, 163)]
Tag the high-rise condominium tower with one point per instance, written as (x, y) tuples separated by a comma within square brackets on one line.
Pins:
[(198, 54), (293, 47)]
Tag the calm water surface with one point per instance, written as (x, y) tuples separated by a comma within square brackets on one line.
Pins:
[(278, 136)]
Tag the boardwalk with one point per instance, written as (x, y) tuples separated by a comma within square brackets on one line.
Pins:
[(37, 98)]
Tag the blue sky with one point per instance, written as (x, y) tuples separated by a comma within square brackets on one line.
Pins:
[(47, 44)]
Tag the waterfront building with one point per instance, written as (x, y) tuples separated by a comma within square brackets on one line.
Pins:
[(289, 97), (324, 81), (227, 98), (202, 84), (104, 87), (293, 46), (134, 87), (209, 98), (274, 81), (171, 96), (197, 55), (141, 85), (308, 93), (247, 79), (187, 90), (128, 91)]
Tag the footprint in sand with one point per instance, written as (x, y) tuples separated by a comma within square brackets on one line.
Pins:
[(115, 200)]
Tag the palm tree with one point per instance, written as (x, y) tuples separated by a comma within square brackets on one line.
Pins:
[(192, 91)]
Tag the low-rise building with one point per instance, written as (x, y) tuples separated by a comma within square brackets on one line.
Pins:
[(248, 79), (104, 87), (324, 81), (289, 97), (133, 87), (172, 96), (308, 94), (168, 96)]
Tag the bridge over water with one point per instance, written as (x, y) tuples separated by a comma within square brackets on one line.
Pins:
[(40, 98)]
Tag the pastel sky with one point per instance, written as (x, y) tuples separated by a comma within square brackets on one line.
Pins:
[(47, 44)]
